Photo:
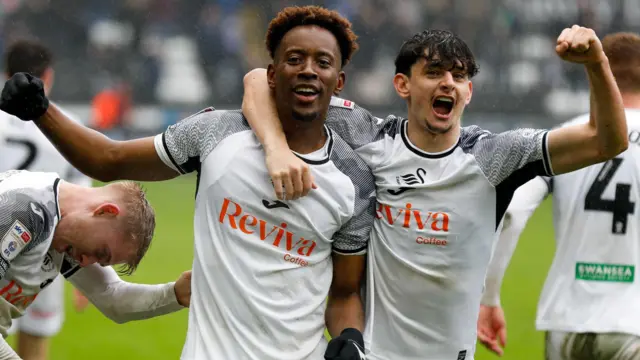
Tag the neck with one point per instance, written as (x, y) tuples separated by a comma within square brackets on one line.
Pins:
[(429, 141), (631, 100), (304, 137), (73, 198)]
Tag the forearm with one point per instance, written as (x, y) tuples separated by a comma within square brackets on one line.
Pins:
[(129, 302), (6, 352), (524, 203), (259, 108), (121, 301), (345, 311), (86, 149), (99, 157), (607, 110)]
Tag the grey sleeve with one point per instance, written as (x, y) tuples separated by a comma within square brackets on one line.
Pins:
[(357, 126), (185, 144), (517, 155), (24, 224), (353, 236)]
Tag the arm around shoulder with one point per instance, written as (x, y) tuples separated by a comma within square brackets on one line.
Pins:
[(99, 157), (122, 301)]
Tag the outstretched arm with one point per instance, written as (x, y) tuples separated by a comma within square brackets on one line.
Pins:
[(122, 301), (100, 157), (291, 176), (605, 135), (89, 151)]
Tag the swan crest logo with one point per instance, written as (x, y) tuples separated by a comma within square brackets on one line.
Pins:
[(408, 179)]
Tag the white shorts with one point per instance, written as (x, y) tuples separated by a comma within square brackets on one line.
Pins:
[(45, 315), (594, 346)]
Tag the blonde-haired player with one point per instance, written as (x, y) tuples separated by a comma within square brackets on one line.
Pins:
[(24, 148)]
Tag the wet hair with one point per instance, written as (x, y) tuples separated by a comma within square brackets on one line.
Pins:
[(623, 51), (295, 16), (139, 224), (27, 55), (435, 45)]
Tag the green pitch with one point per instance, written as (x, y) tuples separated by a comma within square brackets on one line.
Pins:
[(90, 335)]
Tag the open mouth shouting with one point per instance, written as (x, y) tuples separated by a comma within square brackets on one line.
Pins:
[(306, 93), (443, 106)]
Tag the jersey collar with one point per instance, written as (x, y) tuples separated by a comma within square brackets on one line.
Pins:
[(416, 150), (329, 148)]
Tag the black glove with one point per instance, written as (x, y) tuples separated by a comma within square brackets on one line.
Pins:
[(23, 96), (348, 346)]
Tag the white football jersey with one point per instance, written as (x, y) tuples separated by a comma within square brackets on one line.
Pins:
[(262, 267), (24, 147), (591, 286), (29, 214), (437, 218)]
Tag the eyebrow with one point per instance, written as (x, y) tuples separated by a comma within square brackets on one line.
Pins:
[(300, 50), (439, 64)]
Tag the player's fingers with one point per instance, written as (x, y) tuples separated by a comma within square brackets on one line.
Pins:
[(277, 186), (563, 36), (20, 80), (298, 186), (484, 337), (502, 336), (333, 349), (307, 181), (288, 188), (561, 49), (580, 41)]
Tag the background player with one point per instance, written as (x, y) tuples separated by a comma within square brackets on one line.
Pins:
[(442, 190), (588, 305), (50, 227), (24, 148), (256, 259)]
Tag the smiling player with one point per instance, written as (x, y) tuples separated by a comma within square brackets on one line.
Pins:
[(442, 189)]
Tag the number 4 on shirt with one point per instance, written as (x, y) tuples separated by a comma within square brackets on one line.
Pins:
[(620, 206)]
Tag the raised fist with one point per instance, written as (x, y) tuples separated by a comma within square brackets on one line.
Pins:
[(23, 96), (580, 45)]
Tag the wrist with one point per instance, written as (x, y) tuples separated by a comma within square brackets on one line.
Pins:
[(175, 297), (353, 334), (599, 65), (276, 145)]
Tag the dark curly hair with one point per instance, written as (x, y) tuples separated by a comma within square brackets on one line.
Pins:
[(291, 17), (447, 46)]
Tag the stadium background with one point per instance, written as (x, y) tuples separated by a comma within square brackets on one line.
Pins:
[(132, 67)]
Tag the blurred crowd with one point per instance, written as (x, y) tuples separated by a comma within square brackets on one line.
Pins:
[(190, 52)]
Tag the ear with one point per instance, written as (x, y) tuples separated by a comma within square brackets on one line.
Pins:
[(108, 209), (402, 85), (271, 76), (342, 78), (468, 99)]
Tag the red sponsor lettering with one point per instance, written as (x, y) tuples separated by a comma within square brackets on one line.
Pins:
[(12, 294), (232, 214), (295, 260), (430, 241), (25, 236), (409, 217)]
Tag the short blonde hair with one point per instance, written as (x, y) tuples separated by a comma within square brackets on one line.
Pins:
[(139, 223), (623, 51)]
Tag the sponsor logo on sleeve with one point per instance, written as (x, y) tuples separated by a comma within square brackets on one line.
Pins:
[(14, 240)]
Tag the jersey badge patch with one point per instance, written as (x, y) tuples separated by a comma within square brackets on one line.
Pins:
[(338, 102), (14, 240)]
